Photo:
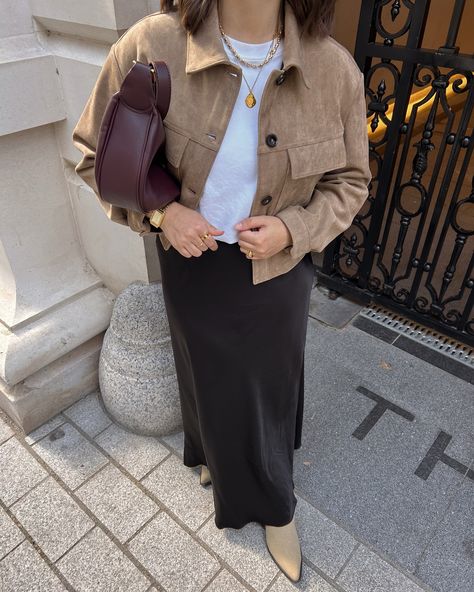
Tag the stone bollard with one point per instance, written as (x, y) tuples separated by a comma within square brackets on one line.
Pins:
[(137, 374)]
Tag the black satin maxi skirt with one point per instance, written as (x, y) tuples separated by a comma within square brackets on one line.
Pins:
[(239, 357)]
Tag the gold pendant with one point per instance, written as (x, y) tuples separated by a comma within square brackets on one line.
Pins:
[(250, 100)]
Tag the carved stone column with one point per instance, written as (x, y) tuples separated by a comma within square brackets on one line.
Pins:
[(61, 260)]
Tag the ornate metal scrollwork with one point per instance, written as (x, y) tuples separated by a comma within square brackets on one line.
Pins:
[(412, 244)]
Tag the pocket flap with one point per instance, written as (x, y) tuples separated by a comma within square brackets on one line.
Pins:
[(317, 157), (175, 144)]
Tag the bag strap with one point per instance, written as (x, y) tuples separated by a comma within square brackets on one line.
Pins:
[(147, 84), (163, 88)]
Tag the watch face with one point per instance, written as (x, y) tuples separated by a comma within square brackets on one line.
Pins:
[(156, 218)]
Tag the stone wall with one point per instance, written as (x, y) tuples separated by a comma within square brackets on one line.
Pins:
[(61, 260)]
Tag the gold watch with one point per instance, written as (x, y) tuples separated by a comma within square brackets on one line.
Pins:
[(156, 218)]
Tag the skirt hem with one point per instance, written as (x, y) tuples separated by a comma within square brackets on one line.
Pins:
[(221, 525)]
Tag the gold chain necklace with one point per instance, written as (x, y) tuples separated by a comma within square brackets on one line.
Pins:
[(250, 99), (276, 42)]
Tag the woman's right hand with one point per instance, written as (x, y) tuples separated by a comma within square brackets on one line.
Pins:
[(184, 228)]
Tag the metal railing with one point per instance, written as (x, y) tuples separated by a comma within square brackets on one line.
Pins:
[(411, 247)]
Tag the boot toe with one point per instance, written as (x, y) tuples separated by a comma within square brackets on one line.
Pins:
[(284, 547), (205, 476)]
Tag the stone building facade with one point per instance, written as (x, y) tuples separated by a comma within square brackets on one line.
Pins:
[(61, 260)]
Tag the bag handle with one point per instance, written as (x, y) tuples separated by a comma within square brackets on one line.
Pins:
[(162, 86), (146, 85)]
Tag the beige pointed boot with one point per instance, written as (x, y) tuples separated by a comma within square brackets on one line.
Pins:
[(284, 547), (205, 476)]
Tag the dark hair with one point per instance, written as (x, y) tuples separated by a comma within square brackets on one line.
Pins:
[(313, 16)]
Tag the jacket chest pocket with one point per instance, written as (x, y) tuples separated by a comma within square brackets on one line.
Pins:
[(307, 164), (317, 157)]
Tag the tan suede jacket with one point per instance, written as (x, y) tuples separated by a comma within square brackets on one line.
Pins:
[(313, 159)]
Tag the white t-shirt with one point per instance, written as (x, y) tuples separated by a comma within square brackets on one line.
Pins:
[(232, 181)]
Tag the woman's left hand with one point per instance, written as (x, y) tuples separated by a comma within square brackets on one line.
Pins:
[(264, 235)]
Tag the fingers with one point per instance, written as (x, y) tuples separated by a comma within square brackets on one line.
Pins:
[(251, 222), (192, 234), (208, 239), (192, 249), (206, 242), (246, 247), (195, 250), (211, 243), (215, 231), (256, 245), (195, 240), (184, 252), (254, 255), (197, 246)]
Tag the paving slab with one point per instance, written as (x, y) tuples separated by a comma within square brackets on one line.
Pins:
[(19, 471), (5, 431), (366, 572), (336, 313), (10, 535), (323, 542), (448, 561), (96, 564), (310, 582), (44, 429), (176, 442), (372, 414), (178, 487), (52, 518), (89, 415), (137, 454), (371, 487), (410, 382), (226, 582), (117, 502), (172, 556), (71, 456), (24, 570), (244, 550)]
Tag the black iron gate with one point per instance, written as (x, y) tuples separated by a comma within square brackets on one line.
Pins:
[(411, 245)]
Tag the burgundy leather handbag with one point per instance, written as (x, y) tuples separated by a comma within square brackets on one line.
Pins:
[(130, 167)]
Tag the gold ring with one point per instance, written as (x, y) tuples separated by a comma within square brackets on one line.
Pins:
[(250, 253), (207, 235)]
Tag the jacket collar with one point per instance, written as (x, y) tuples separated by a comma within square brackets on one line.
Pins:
[(205, 47)]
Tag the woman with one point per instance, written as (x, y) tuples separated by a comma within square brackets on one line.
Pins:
[(266, 132)]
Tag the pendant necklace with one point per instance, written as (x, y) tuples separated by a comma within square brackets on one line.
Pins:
[(250, 99)]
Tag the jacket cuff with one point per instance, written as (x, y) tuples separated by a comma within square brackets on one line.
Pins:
[(299, 232)]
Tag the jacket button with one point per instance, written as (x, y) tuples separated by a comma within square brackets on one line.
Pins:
[(266, 200), (271, 140), (280, 78)]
